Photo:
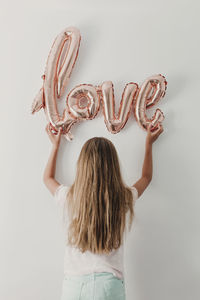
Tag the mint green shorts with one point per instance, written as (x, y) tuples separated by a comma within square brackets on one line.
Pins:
[(94, 286)]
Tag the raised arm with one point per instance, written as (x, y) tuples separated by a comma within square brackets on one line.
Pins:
[(49, 172), (147, 169)]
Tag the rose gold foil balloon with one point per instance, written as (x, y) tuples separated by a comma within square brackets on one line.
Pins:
[(115, 123), (58, 69), (83, 102), (150, 92)]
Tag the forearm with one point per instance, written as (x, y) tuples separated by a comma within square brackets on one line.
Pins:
[(50, 169), (147, 169)]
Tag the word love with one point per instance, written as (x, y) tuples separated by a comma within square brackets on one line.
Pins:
[(83, 101)]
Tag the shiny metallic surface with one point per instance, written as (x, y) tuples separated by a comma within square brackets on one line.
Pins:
[(115, 123), (55, 78), (86, 91), (146, 99), (59, 66)]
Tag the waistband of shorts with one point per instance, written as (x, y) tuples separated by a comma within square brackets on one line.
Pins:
[(86, 277)]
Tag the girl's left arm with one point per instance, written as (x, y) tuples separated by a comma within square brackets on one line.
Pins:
[(49, 172)]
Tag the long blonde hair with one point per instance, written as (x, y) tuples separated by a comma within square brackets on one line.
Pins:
[(98, 200)]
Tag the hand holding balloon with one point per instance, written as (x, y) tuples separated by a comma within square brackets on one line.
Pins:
[(55, 138), (152, 133)]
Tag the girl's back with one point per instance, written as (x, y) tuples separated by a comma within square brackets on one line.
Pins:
[(98, 211)]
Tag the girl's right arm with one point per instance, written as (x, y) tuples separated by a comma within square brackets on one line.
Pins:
[(147, 169)]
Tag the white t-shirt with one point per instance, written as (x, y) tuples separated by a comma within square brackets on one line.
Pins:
[(78, 263)]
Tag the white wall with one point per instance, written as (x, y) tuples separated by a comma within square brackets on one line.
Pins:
[(122, 41)]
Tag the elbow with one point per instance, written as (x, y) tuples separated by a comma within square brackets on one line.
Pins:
[(148, 178), (46, 179)]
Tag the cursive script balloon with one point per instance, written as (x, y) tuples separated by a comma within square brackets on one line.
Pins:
[(58, 69), (83, 102), (150, 92), (115, 124)]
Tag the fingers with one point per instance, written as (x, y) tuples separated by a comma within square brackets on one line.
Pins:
[(152, 130), (158, 130), (150, 126), (48, 129), (59, 131)]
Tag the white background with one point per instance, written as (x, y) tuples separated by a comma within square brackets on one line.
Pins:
[(123, 42)]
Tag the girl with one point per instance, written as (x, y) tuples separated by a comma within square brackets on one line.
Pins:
[(95, 210)]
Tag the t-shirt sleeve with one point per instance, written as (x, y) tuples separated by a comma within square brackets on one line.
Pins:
[(60, 195), (135, 193)]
